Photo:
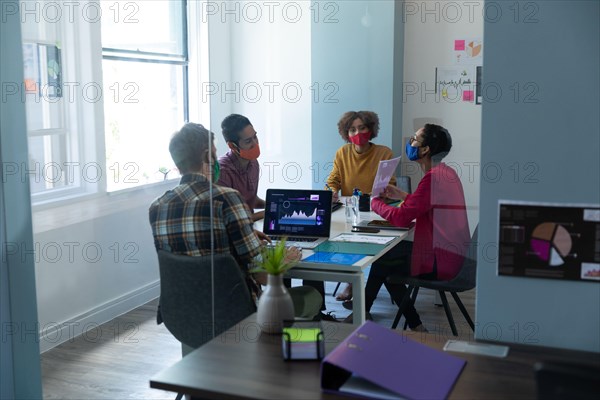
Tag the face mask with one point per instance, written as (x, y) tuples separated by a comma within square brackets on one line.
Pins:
[(250, 154), (361, 138), (412, 152), (216, 171)]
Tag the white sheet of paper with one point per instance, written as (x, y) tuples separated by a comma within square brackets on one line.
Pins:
[(347, 237), (462, 346), (385, 171)]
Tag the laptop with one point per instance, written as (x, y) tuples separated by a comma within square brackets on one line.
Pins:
[(303, 216), (383, 224)]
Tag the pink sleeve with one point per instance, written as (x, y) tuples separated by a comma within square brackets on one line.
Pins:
[(414, 205)]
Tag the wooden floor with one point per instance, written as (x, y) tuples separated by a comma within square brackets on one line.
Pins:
[(117, 360)]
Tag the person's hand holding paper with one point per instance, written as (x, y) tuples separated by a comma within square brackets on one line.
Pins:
[(394, 193)]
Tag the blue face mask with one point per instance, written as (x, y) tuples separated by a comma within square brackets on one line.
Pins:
[(412, 152)]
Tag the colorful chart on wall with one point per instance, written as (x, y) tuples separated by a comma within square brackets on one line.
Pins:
[(549, 241)]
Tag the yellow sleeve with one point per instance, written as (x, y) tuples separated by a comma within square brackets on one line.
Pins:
[(334, 180)]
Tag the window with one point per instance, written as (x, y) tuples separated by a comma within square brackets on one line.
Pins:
[(45, 117), (50, 105), (145, 73)]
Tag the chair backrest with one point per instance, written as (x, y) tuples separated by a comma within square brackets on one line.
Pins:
[(404, 183), (466, 277), (186, 296)]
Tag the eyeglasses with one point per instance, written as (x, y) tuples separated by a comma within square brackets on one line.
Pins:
[(414, 139)]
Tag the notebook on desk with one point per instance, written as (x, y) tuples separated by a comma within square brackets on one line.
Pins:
[(303, 216), (383, 224)]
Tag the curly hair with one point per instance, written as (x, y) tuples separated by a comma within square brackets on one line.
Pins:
[(187, 146), (369, 118)]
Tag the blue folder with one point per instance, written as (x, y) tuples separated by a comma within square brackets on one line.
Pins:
[(334, 258)]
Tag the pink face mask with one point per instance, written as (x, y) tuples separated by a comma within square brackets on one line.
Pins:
[(361, 138)]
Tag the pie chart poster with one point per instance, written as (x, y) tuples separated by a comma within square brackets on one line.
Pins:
[(556, 242)]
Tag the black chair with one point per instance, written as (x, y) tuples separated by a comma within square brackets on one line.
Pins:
[(463, 281), (186, 305), (336, 288), (186, 296)]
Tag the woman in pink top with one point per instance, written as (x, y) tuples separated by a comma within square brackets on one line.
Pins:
[(441, 234)]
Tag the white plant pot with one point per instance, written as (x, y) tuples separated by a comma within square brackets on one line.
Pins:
[(274, 306)]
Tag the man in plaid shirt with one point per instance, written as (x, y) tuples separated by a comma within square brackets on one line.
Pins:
[(181, 219)]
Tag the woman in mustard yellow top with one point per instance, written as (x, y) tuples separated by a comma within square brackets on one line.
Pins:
[(356, 162)]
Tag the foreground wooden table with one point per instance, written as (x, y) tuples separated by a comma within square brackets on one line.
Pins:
[(242, 363)]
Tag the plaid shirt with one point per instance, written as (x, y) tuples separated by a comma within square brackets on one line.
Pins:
[(181, 221)]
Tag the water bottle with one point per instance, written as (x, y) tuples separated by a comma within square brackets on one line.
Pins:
[(355, 209)]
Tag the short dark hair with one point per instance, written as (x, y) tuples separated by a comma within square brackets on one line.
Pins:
[(369, 118), (188, 145), (438, 139), (232, 125)]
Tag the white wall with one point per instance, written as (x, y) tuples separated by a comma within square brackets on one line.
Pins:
[(93, 265), (430, 30), (260, 67)]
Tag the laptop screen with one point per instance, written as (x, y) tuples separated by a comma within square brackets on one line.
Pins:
[(298, 212)]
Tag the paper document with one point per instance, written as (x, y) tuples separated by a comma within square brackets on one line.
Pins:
[(347, 237), (385, 171)]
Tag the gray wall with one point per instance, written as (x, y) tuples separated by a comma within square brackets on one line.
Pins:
[(20, 375), (550, 135)]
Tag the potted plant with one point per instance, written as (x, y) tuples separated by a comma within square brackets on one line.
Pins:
[(275, 304)]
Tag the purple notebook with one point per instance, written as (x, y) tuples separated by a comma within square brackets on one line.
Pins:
[(391, 361)]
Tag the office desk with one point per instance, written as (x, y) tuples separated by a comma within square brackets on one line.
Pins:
[(340, 272), (241, 363)]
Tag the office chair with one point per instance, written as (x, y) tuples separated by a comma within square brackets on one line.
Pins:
[(186, 297), (463, 281), (186, 303)]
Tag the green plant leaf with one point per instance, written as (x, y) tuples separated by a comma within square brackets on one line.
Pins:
[(272, 260)]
